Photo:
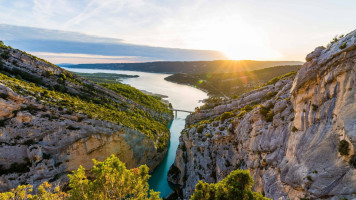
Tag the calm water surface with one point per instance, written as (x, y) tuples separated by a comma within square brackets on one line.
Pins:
[(180, 96)]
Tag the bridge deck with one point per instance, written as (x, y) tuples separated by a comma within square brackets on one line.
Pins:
[(181, 110)]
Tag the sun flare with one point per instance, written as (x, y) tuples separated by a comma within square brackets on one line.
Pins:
[(233, 37)]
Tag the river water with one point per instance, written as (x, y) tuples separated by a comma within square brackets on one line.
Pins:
[(180, 96)]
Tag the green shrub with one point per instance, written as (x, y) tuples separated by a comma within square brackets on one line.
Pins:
[(73, 128), (309, 178), (247, 108), (226, 115), (222, 128), (334, 40), (269, 117), (344, 148), (343, 46), (5, 55), (4, 96), (267, 112), (48, 74), (269, 95), (208, 135), (241, 114), (294, 129), (352, 161), (276, 79), (237, 185), (315, 107), (63, 76), (200, 128)]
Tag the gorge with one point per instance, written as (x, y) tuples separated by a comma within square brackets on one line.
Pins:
[(178, 97), (295, 133)]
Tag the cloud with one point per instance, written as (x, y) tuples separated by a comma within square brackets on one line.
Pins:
[(285, 29), (63, 42)]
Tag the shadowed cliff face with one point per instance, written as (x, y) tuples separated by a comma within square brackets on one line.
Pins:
[(46, 134), (288, 137)]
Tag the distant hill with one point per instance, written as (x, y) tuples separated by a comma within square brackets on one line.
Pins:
[(218, 66), (232, 84)]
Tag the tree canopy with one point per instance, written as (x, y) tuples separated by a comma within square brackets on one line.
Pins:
[(236, 186)]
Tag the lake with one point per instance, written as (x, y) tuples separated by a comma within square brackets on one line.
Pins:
[(180, 96)]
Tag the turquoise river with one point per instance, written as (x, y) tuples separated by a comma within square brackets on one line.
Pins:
[(180, 96)]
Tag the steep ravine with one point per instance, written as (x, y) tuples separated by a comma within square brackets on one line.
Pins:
[(47, 131), (287, 133)]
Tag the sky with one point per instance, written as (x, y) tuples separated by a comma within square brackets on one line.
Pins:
[(171, 29)]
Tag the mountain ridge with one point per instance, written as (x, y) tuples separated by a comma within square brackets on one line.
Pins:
[(217, 66)]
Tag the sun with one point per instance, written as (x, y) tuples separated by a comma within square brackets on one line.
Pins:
[(233, 37)]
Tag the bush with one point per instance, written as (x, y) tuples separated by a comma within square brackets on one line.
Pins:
[(343, 46), (63, 76), (315, 107), (344, 148), (48, 74), (334, 40), (267, 112), (309, 178), (247, 108), (208, 135), (269, 117), (241, 114), (4, 96), (226, 115), (352, 161), (237, 185), (294, 129), (5, 55), (200, 129)]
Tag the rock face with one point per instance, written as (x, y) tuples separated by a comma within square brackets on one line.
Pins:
[(291, 149), (43, 142)]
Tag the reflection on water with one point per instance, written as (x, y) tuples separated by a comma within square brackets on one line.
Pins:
[(180, 96)]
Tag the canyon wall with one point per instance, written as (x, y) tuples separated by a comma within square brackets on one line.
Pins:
[(287, 133)]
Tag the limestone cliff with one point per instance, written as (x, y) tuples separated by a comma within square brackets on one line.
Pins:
[(287, 133), (47, 131)]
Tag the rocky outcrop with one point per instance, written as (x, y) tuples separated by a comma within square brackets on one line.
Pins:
[(42, 141), (288, 137)]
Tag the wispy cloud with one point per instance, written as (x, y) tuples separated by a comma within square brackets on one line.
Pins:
[(88, 58)]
